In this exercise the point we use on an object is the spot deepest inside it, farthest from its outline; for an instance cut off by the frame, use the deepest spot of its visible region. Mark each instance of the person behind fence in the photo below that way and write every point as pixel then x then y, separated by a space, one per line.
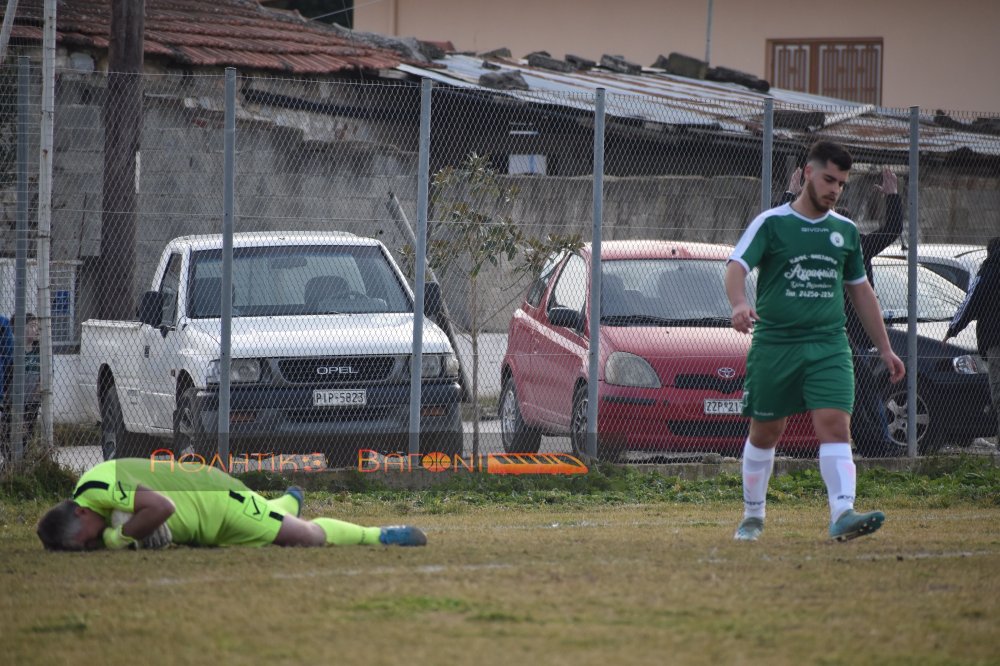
pixel 6 361
pixel 32 381
pixel 800 357
pixel 151 503
pixel 982 303
pixel 868 388
pixel 32 374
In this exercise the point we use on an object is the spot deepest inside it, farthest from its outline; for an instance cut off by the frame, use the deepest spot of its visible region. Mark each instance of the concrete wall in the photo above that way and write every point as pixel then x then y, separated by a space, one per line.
pixel 937 55
pixel 299 169
pixel 709 209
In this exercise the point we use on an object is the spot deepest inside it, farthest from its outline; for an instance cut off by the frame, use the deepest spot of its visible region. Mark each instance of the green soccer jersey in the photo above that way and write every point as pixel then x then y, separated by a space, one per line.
pixel 200 493
pixel 802 267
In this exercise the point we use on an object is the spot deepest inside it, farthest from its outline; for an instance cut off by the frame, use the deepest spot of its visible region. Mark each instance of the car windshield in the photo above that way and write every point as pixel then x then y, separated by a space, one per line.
pixel 297 280
pixel 937 298
pixel 664 291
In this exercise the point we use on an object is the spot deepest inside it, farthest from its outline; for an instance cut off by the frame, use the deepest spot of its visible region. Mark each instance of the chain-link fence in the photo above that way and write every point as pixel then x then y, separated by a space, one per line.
pixel 300 325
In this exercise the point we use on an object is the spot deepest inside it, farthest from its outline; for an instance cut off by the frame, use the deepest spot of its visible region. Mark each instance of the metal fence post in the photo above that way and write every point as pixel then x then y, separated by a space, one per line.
pixel 419 264
pixel 228 190
pixel 767 155
pixel 911 295
pixel 595 274
pixel 43 309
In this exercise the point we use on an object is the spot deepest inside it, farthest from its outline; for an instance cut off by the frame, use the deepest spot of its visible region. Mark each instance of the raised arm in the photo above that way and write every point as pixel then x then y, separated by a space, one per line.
pixel 794 187
pixel 892 225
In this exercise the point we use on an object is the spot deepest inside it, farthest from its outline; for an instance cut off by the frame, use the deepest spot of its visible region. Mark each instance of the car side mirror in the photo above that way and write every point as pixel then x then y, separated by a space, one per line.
pixel 432 299
pixel 568 317
pixel 150 308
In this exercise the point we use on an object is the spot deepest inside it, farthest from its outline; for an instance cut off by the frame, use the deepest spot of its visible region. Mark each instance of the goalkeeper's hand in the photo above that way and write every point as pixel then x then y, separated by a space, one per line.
pixel 160 538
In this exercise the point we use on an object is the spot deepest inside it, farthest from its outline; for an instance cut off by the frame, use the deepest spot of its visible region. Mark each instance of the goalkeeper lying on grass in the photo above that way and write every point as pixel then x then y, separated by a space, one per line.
pixel 143 503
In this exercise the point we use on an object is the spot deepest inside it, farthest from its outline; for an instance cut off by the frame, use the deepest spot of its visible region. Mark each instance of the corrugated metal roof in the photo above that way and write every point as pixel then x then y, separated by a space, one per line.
pixel 724 107
pixel 237 33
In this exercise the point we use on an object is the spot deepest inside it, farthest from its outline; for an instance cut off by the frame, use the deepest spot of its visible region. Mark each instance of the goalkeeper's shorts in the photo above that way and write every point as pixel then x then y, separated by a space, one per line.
pixel 249 521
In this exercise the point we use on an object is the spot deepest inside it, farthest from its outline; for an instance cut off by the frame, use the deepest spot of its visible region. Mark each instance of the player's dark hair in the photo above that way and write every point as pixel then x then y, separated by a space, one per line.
pixel 993 247
pixel 59 526
pixel 828 151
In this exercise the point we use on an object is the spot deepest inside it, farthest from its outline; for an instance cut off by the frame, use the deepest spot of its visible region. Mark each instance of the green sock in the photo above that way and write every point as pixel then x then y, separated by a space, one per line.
pixel 340 533
pixel 286 502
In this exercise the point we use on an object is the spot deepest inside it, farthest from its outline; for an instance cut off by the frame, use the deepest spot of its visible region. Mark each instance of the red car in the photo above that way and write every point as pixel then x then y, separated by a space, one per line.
pixel 670 368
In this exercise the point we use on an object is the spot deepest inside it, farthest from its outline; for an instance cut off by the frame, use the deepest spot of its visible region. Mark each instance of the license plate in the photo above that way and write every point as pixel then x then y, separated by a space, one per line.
pixel 339 398
pixel 723 407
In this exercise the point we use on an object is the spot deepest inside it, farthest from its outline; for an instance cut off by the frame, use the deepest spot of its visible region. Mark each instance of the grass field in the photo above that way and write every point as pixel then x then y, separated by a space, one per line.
pixel 633 569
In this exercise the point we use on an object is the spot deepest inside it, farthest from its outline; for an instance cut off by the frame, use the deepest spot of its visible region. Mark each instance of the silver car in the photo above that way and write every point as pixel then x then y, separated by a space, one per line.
pixel 955 262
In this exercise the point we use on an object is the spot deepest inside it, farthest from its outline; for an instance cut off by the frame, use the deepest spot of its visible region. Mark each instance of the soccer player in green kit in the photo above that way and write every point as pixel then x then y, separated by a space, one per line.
pixel 800 359
pixel 193 504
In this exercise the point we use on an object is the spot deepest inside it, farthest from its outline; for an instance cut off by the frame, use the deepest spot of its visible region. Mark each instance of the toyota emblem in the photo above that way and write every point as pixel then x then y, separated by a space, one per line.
pixel 726 373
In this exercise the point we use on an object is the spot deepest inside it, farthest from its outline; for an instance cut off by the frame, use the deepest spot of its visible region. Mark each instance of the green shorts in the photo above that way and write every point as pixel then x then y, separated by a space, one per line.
pixel 249 520
pixel 789 378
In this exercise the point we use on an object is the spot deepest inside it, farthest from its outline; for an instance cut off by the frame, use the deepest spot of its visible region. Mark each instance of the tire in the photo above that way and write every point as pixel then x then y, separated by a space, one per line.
pixel 517 437
pixel 188 439
pixel 116 442
pixel 928 429
pixel 578 429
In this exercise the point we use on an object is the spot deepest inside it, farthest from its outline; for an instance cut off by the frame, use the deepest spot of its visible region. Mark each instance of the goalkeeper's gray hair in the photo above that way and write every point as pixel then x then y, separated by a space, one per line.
pixel 59 526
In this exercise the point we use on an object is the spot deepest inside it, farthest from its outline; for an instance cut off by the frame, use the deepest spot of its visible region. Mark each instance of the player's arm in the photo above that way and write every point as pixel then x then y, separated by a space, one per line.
pixel 743 315
pixel 151 510
pixel 870 313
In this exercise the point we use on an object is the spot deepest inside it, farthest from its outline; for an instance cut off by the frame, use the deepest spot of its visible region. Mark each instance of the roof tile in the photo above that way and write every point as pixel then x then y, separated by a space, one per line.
pixel 239 33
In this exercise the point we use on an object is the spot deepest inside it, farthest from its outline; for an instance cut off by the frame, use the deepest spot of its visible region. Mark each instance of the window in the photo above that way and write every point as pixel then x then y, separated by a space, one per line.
pixel 571 287
pixel 537 289
pixel 849 69
pixel 169 286
pixel 298 280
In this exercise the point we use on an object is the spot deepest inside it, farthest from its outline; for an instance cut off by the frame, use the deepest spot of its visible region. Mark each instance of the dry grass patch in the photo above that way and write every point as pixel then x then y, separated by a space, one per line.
pixel 626 584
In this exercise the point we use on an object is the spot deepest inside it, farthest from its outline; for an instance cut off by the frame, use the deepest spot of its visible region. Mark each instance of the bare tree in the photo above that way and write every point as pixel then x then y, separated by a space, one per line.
pixel 473 227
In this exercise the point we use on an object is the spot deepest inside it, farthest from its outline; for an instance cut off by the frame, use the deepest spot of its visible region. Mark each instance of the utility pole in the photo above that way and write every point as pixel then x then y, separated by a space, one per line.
pixel 708 35
pixel 122 115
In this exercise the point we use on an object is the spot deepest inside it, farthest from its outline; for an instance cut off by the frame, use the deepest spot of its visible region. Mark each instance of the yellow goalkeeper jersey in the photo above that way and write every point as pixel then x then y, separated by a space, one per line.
pixel 202 494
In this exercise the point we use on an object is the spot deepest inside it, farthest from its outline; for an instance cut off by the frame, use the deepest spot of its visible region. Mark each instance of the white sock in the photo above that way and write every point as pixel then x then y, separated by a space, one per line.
pixel 757 467
pixel 836 466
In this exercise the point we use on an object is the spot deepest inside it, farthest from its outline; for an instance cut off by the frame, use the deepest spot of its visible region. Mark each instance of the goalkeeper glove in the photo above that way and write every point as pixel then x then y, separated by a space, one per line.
pixel 160 538
pixel 114 539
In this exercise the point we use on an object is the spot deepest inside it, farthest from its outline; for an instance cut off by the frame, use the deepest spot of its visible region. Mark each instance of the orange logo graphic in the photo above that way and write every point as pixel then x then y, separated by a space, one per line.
pixel 370 460
pixel 436 461
pixel 534 463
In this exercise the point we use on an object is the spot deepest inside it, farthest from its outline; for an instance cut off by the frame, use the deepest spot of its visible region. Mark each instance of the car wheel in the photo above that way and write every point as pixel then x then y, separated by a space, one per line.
pixel 116 441
pixel 188 440
pixel 578 428
pixel 895 402
pixel 517 437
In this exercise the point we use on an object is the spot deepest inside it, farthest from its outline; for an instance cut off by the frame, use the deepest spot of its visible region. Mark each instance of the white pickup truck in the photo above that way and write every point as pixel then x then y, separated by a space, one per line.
pixel 321 339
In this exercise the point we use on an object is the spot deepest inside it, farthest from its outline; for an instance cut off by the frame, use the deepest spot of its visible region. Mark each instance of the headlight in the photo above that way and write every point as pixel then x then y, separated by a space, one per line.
pixel 438 365
pixel 969 364
pixel 624 369
pixel 450 365
pixel 241 371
